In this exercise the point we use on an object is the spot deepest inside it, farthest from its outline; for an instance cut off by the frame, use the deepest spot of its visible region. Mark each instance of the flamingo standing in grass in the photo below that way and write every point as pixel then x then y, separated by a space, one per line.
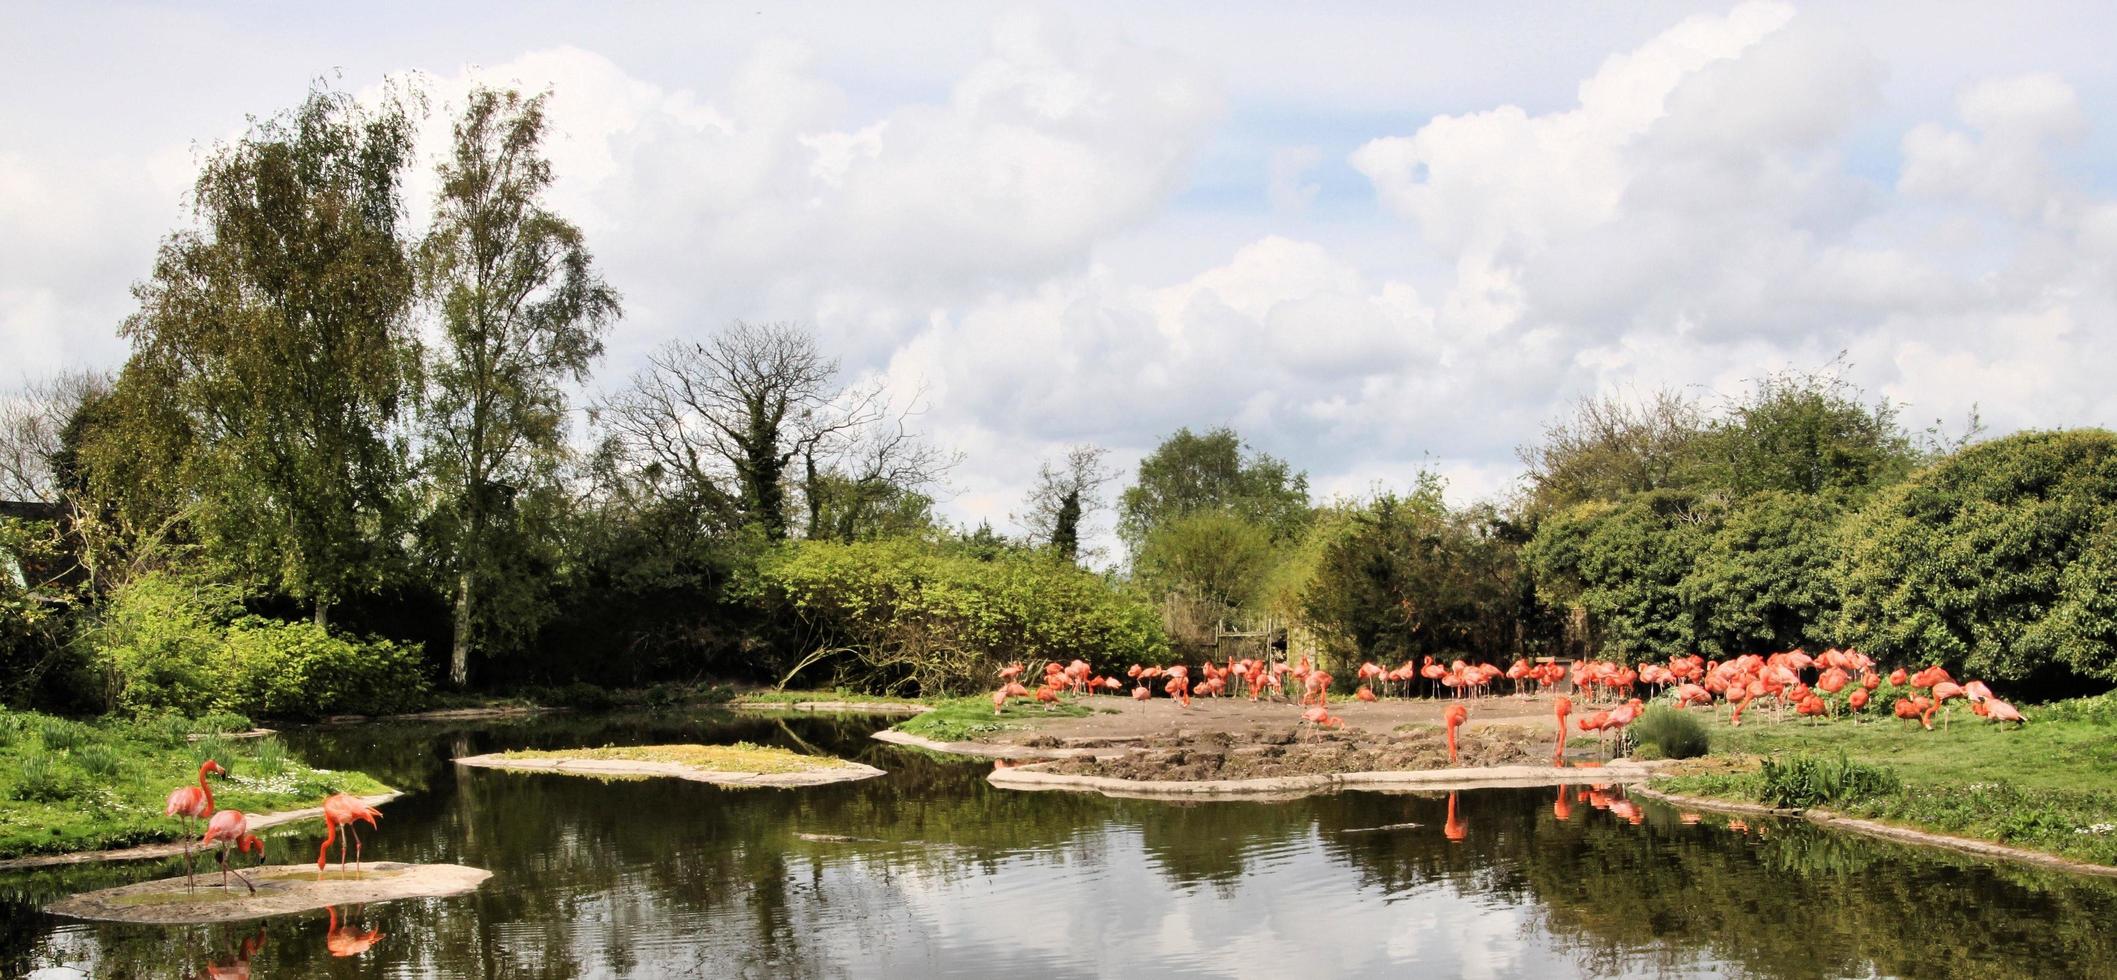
pixel 1454 718
pixel 232 829
pixel 343 810
pixel 193 803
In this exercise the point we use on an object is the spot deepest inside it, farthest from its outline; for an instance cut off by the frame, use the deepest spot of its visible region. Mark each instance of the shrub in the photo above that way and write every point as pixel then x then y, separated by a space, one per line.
pixel 46 779
pixel 99 760
pixel 171 644
pixel 300 670
pixel 1667 733
pixel 1806 780
pixel 1997 561
pixel 945 621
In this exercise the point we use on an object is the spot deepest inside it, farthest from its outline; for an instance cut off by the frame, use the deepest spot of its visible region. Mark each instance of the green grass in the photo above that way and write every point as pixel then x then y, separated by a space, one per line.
pixel 2050 786
pixel 965 719
pixel 71 785
pixel 739 757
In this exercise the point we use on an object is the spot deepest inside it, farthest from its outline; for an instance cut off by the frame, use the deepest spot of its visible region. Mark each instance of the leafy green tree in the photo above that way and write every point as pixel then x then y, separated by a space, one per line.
pixel 1214 556
pixel 1995 561
pixel 278 329
pixel 1610 448
pixel 1191 472
pixel 1806 433
pixel 1410 577
pixel 1620 569
pixel 1768 579
pixel 522 312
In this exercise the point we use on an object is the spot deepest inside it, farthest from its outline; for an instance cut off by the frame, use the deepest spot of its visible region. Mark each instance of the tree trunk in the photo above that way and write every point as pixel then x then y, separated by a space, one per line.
pixel 459 651
pixel 323 614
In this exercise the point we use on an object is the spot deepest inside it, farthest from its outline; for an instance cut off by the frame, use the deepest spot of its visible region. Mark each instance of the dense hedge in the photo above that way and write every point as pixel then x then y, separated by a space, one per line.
pixel 170 643
pixel 2001 559
pixel 944 620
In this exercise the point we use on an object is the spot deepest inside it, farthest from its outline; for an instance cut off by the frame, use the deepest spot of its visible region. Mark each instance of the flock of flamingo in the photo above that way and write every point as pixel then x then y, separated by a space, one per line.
pixel 1796 682
pixel 231 828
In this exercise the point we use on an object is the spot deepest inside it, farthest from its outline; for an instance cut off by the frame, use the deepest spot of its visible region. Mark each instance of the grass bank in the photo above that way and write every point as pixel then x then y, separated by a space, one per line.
pixel 73 786
pixel 2050 786
pixel 766 698
pixel 966 719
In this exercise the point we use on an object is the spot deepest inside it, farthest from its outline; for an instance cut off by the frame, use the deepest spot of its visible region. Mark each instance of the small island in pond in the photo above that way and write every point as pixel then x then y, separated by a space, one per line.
pixel 741 764
pixel 281 890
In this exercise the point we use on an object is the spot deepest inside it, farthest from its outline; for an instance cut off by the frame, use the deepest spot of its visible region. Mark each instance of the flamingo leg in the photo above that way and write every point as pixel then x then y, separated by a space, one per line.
pixel 356 851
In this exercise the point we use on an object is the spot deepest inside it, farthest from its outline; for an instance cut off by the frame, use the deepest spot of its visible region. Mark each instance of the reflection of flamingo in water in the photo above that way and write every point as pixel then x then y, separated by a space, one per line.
pixel 1562 808
pixel 345 940
pixel 238 966
pixel 1454 829
pixel 342 810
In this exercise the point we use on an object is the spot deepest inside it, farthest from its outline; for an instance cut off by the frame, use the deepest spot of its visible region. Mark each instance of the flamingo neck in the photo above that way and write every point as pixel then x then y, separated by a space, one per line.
pixel 206 789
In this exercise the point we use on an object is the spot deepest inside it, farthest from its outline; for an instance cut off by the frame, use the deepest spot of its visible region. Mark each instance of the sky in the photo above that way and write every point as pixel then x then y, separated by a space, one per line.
pixel 1374 238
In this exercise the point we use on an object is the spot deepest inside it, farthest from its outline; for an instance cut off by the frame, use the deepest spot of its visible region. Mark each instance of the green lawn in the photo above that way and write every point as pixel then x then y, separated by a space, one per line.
pixel 2051 785
pixel 70 785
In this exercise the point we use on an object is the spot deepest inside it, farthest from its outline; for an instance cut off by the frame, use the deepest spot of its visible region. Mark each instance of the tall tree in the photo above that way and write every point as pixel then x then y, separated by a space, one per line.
pixel 729 416
pixel 278 328
pixel 1066 494
pixel 522 310
pixel 1191 472
pixel 1611 447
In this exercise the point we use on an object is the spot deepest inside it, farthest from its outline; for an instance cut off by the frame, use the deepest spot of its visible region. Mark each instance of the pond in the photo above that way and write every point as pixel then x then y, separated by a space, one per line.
pixel 928 871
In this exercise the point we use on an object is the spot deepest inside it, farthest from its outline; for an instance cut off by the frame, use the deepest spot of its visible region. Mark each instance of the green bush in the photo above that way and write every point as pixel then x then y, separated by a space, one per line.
pixel 2000 561
pixel 46 778
pixel 1807 780
pixel 1666 733
pixel 944 621
pixel 172 644
pixel 300 670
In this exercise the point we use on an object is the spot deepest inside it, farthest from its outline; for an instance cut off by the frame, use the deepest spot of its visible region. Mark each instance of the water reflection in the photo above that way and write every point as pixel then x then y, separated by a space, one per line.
pixel 929 871
pixel 236 966
pixel 345 941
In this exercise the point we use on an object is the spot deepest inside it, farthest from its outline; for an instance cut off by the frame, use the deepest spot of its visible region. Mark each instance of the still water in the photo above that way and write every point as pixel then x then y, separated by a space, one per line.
pixel 950 877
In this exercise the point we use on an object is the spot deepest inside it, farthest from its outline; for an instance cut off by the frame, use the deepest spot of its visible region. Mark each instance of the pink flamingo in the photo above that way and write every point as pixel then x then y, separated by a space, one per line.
pixel 343 810
pixel 232 829
pixel 1454 717
pixel 193 803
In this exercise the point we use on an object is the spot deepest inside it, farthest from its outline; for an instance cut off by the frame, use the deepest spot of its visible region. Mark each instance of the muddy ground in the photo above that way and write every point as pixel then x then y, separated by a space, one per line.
pixel 1307 750
pixel 1115 719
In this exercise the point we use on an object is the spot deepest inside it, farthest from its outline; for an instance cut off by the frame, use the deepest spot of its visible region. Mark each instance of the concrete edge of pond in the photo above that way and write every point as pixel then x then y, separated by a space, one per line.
pixel 848 707
pixel 1875 828
pixel 1275 788
pixel 258 821
pixel 232 736
pixel 846 771
pixel 282 889
pixel 993 751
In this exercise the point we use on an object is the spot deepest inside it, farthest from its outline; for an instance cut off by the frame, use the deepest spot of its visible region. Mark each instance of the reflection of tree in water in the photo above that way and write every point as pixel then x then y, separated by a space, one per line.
pixel 599 877
pixel 1795 901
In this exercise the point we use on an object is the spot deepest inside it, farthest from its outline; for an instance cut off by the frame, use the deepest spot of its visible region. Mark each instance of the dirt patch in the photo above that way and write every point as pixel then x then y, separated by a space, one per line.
pixel 1114 720
pixel 1266 753
pixel 281 889
pixel 145 852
